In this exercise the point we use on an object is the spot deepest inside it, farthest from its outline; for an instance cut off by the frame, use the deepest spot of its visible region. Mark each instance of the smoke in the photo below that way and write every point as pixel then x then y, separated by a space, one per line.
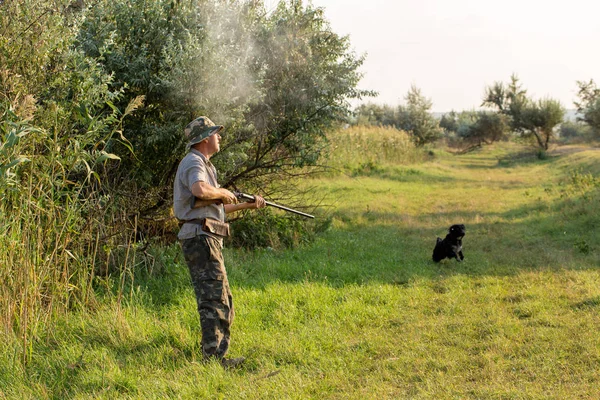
pixel 230 82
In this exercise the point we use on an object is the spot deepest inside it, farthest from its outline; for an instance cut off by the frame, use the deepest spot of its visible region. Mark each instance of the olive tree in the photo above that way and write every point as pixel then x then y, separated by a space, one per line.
pixel 589 104
pixel 472 129
pixel 415 118
pixel 529 118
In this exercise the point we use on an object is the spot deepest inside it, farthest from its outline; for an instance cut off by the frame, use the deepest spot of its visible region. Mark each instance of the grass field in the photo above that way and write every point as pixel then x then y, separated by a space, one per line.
pixel 363 312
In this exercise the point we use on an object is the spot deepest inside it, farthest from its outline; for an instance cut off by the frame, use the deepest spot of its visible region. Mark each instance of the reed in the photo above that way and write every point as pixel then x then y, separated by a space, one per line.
pixel 358 146
pixel 56 224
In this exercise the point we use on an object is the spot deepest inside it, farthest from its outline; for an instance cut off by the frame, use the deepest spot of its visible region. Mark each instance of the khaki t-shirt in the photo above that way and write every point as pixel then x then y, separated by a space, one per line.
pixel 193 168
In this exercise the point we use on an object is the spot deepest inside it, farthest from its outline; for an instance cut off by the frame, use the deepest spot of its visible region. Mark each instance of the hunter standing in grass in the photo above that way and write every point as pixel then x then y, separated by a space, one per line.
pixel 202 231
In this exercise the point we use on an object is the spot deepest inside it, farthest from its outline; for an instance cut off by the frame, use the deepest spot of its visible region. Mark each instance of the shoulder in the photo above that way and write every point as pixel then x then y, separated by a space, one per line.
pixel 193 156
pixel 190 160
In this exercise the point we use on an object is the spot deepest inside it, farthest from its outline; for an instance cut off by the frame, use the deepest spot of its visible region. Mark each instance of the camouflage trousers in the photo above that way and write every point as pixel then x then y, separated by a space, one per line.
pixel 204 258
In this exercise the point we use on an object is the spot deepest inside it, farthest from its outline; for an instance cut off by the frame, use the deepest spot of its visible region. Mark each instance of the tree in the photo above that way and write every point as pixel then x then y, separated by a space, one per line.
pixel 416 119
pixel 450 122
pixel 275 80
pixel 575 130
pixel 540 119
pixel 375 114
pixel 589 104
pixel 527 117
pixel 510 100
pixel 306 74
pixel 474 128
pixel 488 128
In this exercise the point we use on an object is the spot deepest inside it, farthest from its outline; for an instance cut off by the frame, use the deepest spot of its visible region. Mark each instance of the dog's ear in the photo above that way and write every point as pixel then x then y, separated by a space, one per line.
pixel 439 240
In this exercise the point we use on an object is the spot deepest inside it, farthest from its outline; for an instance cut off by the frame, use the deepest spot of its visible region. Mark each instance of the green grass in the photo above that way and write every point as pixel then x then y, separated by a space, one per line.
pixel 362 312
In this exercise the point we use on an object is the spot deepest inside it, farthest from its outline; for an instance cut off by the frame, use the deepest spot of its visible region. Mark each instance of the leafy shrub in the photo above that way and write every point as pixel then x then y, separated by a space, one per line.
pixel 56 129
pixel 268 228
pixel 276 80
pixel 588 105
pixel 580 183
pixel 575 132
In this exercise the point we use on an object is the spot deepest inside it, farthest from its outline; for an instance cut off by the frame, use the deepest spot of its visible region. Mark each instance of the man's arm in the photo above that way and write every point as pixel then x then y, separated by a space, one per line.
pixel 259 202
pixel 205 191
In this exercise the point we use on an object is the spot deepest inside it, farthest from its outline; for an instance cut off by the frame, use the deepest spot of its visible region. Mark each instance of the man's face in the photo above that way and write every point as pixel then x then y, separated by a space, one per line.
pixel 214 143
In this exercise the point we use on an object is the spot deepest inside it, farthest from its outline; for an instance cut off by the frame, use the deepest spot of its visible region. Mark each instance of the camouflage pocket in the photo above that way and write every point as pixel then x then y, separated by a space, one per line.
pixel 213 289
pixel 215 254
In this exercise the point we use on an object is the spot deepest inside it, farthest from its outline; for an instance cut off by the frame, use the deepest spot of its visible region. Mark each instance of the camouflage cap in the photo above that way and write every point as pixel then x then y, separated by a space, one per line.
pixel 199 129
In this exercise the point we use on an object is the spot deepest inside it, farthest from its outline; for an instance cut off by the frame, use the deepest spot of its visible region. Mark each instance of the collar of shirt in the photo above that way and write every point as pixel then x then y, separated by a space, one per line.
pixel 206 161
pixel 198 153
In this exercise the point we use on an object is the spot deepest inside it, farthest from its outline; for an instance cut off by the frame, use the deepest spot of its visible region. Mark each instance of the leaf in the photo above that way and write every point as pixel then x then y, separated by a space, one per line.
pixel 107 156
pixel 114 108
pixel 15 162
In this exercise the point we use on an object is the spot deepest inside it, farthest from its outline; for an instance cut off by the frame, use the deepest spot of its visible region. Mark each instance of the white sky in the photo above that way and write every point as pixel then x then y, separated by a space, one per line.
pixel 453 49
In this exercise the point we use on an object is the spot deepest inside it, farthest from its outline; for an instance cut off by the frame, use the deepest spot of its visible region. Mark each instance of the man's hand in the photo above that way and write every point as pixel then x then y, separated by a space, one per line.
pixel 258 202
pixel 227 197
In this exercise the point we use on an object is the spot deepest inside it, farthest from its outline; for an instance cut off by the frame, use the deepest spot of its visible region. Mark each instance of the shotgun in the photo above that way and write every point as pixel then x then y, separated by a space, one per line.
pixel 243 196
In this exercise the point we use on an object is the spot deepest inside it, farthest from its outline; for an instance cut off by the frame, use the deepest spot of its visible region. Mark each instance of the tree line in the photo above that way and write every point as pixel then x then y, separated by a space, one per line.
pixel 509 111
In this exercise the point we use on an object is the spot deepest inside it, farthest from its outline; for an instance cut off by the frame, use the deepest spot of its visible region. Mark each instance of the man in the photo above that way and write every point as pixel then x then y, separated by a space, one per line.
pixel 200 205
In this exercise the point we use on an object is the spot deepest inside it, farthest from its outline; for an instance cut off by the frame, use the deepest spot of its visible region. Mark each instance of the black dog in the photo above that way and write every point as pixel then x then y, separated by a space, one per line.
pixel 451 246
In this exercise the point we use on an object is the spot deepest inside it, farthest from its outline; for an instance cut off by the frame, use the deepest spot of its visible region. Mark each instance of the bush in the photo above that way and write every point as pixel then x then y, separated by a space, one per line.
pixel 56 127
pixel 268 228
pixel 276 80
pixel 574 132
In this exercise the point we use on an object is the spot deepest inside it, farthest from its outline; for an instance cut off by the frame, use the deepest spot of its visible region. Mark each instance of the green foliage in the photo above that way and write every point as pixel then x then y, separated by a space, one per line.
pixel 414 117
pixel 307 73
pixel 351 149
pixel 42 213
pixel 274 230
pixel 375 114
pixel 575 131
pixel 580 184
pixel 489 127
pixel 474 128
pixel 171 61
pixel 541 118
pixel 509 99
pixel 589 104
pixel 537 119
pixel 275 80
pixel 57 126
pixel 452 121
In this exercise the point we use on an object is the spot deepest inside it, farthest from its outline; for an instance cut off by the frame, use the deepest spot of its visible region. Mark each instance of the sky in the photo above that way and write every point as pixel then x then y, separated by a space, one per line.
pixel 453 49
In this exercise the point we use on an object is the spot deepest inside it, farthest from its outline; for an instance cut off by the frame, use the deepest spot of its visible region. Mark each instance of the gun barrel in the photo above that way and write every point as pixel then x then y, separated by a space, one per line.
pixel 251 198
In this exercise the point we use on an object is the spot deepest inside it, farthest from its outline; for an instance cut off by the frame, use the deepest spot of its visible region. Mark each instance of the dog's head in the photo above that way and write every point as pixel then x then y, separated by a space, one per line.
pixel 457 231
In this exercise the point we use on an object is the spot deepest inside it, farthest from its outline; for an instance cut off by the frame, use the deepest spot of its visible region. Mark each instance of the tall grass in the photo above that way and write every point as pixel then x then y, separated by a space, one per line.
pixel 46 255
pixel 55 220
pixel 359 147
